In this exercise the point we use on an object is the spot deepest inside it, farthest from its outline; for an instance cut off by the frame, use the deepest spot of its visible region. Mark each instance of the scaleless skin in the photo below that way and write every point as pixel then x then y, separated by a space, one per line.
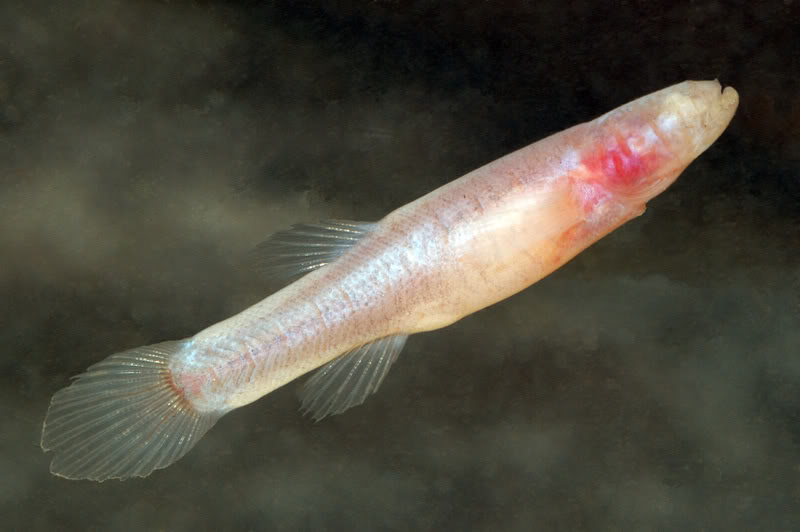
pixel 460 248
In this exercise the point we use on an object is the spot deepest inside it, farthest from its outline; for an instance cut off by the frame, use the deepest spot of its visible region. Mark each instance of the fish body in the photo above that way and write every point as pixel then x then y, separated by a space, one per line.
pixel 456 250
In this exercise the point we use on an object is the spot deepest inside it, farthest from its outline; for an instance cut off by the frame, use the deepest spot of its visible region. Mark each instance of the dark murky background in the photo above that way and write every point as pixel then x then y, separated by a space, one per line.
pixel 653 383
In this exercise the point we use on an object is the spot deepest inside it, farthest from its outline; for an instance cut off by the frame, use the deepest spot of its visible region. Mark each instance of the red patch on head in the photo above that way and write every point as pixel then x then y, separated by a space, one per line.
pixel 616 164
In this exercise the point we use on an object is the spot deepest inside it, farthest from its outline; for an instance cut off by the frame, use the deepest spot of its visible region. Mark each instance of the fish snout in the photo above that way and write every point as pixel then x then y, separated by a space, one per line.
pixel 697 112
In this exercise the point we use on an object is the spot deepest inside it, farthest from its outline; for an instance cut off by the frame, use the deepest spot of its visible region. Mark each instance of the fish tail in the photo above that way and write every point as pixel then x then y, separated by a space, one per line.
pixel 124 417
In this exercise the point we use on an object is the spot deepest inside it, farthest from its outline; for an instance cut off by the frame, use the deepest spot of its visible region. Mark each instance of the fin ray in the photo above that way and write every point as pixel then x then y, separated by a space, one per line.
pixel 122 418
pixel 292 253
pixel 348 380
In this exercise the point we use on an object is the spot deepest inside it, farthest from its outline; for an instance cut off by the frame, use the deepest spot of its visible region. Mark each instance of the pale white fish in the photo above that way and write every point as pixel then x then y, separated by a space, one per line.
pixel 460 248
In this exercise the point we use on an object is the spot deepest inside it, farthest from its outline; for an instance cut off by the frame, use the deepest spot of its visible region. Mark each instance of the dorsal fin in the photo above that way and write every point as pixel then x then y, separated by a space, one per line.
pixel 292 253
pixel 349 379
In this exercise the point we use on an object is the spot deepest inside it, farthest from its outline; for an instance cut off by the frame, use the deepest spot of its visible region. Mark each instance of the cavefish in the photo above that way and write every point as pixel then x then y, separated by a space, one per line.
pixel 360 289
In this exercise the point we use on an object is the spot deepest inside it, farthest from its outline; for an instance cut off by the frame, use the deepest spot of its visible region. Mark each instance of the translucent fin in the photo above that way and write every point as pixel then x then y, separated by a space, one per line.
pixel 122 418
pixel 292 253
pixel 348 380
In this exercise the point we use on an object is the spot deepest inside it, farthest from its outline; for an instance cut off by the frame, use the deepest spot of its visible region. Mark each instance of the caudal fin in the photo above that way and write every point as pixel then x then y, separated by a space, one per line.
pixel 123 418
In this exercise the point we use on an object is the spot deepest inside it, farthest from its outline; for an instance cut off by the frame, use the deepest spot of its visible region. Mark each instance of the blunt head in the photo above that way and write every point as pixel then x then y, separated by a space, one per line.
pixel 693 114
pixel 643 146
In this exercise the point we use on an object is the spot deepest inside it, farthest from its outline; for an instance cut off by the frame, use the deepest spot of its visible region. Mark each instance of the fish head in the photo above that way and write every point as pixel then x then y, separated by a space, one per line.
pixel 638 150
pixel 693 114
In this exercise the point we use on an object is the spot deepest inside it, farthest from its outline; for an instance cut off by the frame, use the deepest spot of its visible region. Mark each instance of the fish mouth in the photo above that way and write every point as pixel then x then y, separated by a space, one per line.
pixel 702 110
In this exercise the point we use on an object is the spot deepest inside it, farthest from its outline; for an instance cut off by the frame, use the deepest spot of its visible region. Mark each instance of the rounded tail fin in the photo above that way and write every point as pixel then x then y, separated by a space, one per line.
pixel 123 417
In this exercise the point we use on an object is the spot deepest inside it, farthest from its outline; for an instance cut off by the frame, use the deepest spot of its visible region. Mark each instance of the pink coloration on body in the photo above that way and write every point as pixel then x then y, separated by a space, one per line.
pixel 621 164
pixel 460 248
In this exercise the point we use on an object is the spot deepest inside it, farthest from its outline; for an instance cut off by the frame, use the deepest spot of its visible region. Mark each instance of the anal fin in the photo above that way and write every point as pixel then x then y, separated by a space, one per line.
pixel 348 380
